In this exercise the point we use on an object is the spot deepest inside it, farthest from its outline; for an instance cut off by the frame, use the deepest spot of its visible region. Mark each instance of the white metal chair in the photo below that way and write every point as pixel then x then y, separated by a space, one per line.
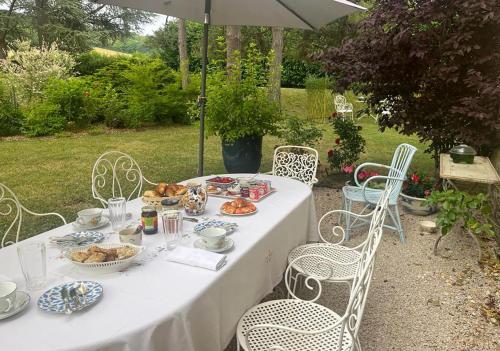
pixel 298 162
pixel 117 167
pixel 299 325
pixel 348 257
pixel 11 207
pixel 363 194
pixel 343 107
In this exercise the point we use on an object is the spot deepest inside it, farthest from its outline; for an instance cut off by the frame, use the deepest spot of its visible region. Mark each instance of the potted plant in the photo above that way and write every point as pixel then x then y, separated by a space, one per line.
pixel 415 192
pixel 240 112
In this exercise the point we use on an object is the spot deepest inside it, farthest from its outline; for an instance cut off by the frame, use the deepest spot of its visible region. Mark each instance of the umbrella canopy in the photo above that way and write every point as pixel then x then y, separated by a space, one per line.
pixel 305 14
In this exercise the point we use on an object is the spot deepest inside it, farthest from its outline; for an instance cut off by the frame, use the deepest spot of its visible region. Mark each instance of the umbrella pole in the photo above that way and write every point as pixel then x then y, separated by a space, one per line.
pixel 202 101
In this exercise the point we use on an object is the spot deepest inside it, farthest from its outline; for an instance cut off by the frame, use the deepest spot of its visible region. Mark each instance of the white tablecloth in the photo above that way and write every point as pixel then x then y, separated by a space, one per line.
pixel 162 305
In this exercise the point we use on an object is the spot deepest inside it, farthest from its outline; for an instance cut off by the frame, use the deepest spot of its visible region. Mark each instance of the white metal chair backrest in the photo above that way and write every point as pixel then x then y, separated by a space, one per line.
pixel 340 100
pixel 298 162
pixel 121 172
pixel 399 166
pixel 11 207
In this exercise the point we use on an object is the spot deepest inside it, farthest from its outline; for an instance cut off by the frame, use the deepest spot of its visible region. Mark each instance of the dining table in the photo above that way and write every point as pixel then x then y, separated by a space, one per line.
pixel 157 304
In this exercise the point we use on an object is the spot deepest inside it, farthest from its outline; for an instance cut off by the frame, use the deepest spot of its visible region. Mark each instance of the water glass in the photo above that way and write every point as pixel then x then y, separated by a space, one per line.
pixel 32 258
pixel 172 227
pixel 117 212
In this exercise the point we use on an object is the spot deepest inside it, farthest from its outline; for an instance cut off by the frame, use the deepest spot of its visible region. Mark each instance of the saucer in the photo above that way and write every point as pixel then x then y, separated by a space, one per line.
pixel 229 243
pixel 22 300
pixel 104 221
pixel 52 301
pixel 229 227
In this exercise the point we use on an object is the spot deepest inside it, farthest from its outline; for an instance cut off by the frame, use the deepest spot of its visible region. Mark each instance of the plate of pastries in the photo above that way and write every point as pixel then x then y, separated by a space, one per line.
pixel 238 207
pixel 104 258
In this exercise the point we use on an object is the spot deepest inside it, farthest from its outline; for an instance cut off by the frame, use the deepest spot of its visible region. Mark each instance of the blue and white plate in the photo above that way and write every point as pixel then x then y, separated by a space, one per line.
pixel 52 301
pixel 229 227
pixel 89 236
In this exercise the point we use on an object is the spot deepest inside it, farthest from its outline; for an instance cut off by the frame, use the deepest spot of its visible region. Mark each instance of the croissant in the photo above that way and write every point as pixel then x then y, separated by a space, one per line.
pixel 161 188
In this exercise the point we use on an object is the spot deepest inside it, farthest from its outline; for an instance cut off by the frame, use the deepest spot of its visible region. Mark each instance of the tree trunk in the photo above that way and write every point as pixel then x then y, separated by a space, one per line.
pixel 3 34
pixel 41 20
pixel 233 42
pixel 183 54
pixel 275 84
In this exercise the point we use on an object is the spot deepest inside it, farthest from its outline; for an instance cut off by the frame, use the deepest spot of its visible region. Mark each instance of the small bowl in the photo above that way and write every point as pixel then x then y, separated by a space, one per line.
pixel 428 227
pixel 170 201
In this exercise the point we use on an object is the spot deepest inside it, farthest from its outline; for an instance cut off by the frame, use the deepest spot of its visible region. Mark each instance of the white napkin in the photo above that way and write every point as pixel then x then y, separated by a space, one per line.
pixel 197 258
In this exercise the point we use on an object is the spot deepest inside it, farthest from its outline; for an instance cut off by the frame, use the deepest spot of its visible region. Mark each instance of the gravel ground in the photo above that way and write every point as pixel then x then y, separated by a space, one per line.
pixel 419 301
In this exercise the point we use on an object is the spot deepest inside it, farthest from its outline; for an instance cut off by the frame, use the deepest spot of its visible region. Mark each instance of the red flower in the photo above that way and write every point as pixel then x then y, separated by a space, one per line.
pixel 348 168
pixel 427 192
pixel 330 153
pixel 362 175
pixel 337 141
pixel 334 114
pixel 415 178
pixel 374 174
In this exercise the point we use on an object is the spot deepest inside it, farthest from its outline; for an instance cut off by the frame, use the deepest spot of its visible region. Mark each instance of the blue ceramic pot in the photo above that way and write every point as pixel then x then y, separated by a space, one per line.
pixel 243 156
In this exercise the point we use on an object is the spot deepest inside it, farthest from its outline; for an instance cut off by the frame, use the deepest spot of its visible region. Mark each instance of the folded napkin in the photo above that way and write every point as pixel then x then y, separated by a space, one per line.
pixel 197 258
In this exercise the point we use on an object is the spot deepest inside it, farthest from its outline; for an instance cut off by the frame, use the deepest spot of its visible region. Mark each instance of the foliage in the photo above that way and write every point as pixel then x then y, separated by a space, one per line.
pixel 297 131
pixel 432 64
pixel 319 99
pixel 237 106
pixel 43 119
pixel 133 44
pixel 73 99
pixel 28 69
pixel 473 210
pixel 11 117
pixel 295 72
pixel 420 185
pixel 348 146
pixel 90 62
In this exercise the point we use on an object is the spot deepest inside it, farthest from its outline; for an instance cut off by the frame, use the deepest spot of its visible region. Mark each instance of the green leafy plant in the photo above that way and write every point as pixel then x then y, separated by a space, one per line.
pixel 348 146
pixel 319 98
pixel 474 211
pixel 43 119
pixel 237 105
pixel 297 131
pixel 90 62
pixel 11 116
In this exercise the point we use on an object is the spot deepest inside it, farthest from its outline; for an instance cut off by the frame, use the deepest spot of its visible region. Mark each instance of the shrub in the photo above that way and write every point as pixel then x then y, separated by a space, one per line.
pixel 11 117
pixel 348 146
pixel 297 131
pixel 28 69
pixel 43 119
pixel 73 97
pixel 319 98
pixel 295 72
pixel 420 185
pixel 90 62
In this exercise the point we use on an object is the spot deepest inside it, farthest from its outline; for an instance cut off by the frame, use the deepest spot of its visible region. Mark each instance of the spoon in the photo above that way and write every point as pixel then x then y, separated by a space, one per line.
pixel 81 290
pixel 65 296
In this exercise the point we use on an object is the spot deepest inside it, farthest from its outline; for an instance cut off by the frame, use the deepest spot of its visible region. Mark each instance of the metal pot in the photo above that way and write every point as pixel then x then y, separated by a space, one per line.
pixel 462 154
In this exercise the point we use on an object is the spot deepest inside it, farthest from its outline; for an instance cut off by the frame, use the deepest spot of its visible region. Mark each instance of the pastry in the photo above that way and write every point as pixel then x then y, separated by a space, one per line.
pixel 79 256
pixel 151 193
pixel 96 257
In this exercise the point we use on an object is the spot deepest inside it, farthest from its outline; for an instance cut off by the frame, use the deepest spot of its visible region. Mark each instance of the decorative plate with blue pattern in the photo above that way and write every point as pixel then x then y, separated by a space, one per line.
pixel 229 227
pixel 52 301
pixel 89 236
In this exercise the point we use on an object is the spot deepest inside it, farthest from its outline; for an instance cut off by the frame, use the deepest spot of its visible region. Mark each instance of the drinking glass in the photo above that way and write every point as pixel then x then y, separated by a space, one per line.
pixel 32 258
pixel 117 212
pixel 172 227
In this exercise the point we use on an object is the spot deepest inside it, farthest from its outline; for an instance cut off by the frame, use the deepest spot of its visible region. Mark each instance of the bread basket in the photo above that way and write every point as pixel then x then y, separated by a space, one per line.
pixel 105 267
pixel 155 201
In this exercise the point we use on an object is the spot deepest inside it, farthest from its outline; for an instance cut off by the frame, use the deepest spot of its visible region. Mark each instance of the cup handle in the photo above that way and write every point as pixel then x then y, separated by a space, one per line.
pixel 10 305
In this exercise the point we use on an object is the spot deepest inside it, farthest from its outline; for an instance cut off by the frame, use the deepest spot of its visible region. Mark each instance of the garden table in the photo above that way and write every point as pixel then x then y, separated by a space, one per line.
pixel 161 305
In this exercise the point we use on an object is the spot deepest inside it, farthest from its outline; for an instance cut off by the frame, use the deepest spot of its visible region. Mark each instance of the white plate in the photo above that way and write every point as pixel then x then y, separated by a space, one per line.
pixel 239 214
pixel 228 244
pixel 104 221
pixel 22 300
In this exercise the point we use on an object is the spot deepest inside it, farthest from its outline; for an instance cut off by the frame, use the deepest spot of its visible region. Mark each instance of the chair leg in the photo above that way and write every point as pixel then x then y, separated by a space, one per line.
pixel 357 344
pixel 399 225
pixel 348 207
pixel 237 345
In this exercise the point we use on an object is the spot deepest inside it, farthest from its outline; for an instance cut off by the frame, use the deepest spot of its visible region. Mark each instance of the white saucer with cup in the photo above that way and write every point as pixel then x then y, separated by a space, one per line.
pixel 213 237
pixel 7 296
pixel 89 217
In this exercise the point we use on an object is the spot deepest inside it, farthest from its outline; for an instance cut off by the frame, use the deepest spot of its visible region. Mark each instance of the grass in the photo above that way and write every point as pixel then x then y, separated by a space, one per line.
pixel 108 52
pixel 54 174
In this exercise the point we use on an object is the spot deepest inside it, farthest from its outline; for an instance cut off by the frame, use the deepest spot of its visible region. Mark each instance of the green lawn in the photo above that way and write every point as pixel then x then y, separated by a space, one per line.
pixel 54 174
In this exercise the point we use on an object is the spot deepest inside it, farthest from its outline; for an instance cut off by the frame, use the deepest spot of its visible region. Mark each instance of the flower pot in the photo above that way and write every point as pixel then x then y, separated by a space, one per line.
pixel 416 206
pixel 243 156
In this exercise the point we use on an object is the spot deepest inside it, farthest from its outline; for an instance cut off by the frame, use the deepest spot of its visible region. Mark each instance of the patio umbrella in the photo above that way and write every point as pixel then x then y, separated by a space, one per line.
pixel 304 14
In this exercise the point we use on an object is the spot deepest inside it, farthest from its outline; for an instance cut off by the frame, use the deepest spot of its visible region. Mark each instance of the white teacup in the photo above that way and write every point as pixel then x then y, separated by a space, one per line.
pixel 128 236
pixel 213 237
pixel 90 216
pixel 7 296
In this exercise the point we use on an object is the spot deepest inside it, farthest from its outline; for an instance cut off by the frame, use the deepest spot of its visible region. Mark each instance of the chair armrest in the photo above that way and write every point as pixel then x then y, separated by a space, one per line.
pixel 367 164
pixel 374 178
pixel 338 227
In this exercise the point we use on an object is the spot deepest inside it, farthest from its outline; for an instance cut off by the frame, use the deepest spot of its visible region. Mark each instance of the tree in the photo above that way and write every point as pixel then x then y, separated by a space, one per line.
pixel 183 53
pixel 433 64
pixel 233 43
pixel 275 76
